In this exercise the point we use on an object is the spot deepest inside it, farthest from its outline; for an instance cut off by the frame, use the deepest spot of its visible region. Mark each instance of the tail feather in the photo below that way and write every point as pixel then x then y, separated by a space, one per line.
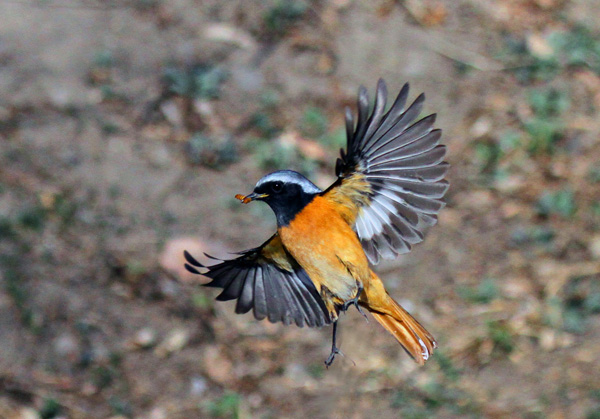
pixel 413 337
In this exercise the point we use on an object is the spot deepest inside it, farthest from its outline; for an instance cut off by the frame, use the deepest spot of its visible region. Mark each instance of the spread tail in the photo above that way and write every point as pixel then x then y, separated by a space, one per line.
pixel 413 337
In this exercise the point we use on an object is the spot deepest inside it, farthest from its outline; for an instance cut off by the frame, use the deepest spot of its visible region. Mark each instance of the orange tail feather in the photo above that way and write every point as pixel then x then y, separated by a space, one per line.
pixel 413 337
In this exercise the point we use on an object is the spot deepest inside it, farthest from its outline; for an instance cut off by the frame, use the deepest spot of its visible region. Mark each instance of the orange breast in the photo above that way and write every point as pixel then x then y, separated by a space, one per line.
pixel 327 248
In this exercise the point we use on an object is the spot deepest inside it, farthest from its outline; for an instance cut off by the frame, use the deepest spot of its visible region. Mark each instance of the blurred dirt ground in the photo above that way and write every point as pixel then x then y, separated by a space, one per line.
pixel 126 127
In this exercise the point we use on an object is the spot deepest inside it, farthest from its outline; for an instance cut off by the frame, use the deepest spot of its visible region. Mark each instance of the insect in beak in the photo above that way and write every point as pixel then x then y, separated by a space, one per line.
pixel 253 196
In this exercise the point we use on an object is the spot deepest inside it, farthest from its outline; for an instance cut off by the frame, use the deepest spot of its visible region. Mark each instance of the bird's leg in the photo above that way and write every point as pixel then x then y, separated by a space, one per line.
pixel 354 301
pixel 334 349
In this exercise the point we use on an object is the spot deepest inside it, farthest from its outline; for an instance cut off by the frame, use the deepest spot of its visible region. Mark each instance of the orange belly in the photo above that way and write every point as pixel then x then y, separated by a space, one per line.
pixel 327 248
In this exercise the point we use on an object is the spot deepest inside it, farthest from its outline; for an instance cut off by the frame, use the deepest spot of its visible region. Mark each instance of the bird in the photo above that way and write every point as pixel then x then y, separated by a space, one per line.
pixel 389 189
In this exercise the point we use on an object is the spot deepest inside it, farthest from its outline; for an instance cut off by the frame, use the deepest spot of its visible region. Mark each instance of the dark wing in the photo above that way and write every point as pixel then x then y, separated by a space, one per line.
pixel 390 179
pixel 268 281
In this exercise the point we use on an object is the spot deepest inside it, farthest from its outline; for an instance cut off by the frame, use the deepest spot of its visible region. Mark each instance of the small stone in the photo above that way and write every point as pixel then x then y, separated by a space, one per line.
pixel 548 340
pixel 28 413
pixel 517 287
pixel 539 46
pixel 509 184
pixel 198 386
pixel 158 413
pixel 66 345
pixel 481 127
pixel 174 342
pixel 145 338
pixel 172 113
pixel 222 32
pixel 88 389
pixel 594 246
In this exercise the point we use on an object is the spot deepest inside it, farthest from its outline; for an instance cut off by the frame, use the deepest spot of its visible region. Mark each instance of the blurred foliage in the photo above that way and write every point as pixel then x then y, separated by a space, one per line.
pixel 50 409
pixel 226 406
pixel 571 309
pixel 120 407
pixel 265 125
pixel 501 336
pixel 314 123
pixel 32 217
pixel 559 202
pixel 539 235
pixel 200 81
pixel 578 47
pixel 485 292
pixel 490 152
pixel 546 126
pixel 581 299
pixel 204 150
pixel 594 174
pixel 104 58
pixel 15 288
pixel 281 17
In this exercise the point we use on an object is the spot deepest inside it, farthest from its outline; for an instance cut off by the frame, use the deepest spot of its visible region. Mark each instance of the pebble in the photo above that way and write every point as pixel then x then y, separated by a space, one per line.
pixel 198 386
pixel 28 413
pixel 145 338
pixel 594 246
pixel 66 345
pixel 174 342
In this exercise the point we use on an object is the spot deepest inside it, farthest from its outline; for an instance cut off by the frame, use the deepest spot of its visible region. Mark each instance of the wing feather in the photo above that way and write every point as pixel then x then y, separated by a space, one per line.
pixel 268 281
pixel 391 176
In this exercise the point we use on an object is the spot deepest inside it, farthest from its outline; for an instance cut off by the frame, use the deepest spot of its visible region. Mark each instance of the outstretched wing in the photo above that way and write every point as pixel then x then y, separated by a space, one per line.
pixel 390 179
pixel 268 281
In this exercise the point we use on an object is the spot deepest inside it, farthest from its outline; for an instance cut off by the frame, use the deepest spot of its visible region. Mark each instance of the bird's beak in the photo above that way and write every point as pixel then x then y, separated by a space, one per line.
pixel 253 196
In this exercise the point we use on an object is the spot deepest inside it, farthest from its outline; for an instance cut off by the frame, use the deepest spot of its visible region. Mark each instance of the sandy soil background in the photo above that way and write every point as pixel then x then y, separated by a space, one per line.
pixel 126 127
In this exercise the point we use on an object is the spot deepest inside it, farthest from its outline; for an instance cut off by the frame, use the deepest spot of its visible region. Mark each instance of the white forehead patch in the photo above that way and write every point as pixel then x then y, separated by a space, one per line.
pixel 289 176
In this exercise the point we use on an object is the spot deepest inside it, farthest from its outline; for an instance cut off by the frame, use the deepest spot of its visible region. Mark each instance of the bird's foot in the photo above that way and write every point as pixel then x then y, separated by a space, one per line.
pixel 354 302
pixel 334 351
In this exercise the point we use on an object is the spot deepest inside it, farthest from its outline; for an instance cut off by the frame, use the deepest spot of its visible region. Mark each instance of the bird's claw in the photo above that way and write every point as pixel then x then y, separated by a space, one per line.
pixel 354 302
pixel 334 351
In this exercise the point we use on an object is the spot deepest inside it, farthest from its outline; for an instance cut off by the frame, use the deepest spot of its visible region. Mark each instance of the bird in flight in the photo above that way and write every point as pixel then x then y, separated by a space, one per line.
pixel 389 189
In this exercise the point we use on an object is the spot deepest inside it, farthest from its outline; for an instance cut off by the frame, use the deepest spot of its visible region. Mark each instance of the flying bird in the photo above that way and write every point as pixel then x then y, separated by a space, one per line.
pixel 389 189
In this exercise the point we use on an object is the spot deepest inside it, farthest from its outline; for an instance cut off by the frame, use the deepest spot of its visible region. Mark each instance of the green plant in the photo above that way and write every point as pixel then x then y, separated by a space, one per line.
pixel 576 47
pixel 197 82
pixel 501 336
pixel 314 123
pixel 104 59
pixel 50 409
pixel 272 155
pixel 335 139
pixel 485 292
pixel 527 67
pixel 446 366
pixel 532 235
pixel 280 17
pixel 204 150
pixel 33 217
pixel 7 230
pixel 594 174
pixel 580 299
pixel 226 406
pixel 560 202
pixel 265 125
pixel 546 126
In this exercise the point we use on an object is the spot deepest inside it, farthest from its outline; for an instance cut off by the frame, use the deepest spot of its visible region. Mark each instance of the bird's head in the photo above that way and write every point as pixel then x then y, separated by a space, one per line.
pixel 285 191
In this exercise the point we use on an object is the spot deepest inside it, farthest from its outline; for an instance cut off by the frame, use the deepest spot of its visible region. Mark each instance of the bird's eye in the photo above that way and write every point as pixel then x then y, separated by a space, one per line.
pixel 277 187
